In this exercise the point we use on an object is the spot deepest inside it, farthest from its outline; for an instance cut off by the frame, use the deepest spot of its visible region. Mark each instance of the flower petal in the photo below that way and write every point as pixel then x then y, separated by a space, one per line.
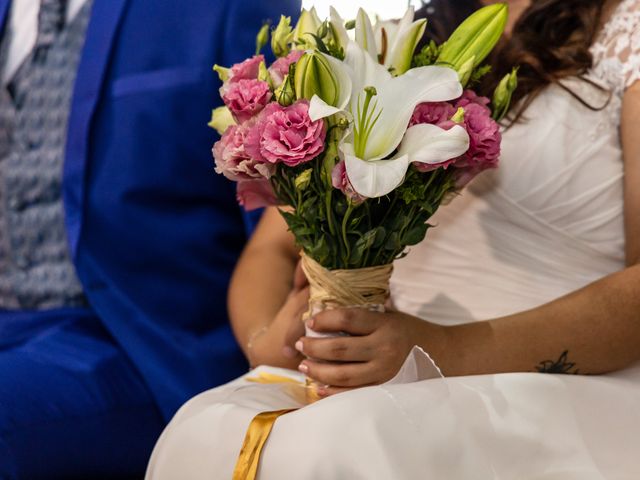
pixel 364 34
pixel 318 109
pixel 365 71
pixel 401 52
pixel 344 76
pixel 374 179
pixel 426 143
pixel 398 98
pixel 339 30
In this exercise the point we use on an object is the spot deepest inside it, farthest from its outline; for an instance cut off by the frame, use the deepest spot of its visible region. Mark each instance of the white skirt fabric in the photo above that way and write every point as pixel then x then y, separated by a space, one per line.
pixel 506 426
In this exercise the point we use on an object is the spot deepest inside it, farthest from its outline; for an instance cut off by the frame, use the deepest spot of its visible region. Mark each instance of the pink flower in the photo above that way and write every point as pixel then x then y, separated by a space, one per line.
pixel 340 180
pixel 246 98
pixel 280 68
pixel 287 135
pixel 469 97
pixel 254 194
pixel 434 113
pixel 232 159
pixel 247 70
pixel 484 138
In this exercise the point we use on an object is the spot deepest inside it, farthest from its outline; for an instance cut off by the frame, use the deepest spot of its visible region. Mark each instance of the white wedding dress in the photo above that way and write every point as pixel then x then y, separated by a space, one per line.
pixel 547 222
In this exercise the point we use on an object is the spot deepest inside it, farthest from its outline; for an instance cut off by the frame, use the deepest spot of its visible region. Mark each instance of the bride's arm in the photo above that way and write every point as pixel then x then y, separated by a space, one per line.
pixel 264 306
pixel 593 330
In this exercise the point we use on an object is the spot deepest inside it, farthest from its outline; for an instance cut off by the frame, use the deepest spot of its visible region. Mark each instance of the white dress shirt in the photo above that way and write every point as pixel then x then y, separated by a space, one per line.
pixel 24 31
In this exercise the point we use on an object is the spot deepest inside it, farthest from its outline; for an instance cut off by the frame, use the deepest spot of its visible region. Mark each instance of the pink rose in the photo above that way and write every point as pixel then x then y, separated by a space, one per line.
pixel 434 113
pixel 247 70
pixel 340 180
pixel 287 135
pixel 254 194
pixel 246 98
pixel 232 159
pixel 280 68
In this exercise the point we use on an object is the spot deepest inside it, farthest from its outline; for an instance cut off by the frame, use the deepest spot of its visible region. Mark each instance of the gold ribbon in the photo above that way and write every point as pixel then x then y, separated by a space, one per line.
pixel 254 440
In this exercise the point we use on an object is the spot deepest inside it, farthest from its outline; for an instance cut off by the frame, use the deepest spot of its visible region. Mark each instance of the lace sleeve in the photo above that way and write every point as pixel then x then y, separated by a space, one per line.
pixel 619 45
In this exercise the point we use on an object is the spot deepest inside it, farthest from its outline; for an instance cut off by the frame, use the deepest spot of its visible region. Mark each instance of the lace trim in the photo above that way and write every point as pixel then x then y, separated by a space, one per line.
pixel 616 53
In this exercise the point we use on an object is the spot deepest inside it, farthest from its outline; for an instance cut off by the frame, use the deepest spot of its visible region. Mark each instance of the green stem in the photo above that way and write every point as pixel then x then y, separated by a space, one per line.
pixel 345 239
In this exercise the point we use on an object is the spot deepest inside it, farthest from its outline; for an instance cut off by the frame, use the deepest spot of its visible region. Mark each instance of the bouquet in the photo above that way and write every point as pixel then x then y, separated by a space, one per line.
pixel 359 138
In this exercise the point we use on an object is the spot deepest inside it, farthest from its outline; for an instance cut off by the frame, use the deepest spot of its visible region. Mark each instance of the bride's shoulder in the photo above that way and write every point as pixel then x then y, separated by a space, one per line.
pixel 616 52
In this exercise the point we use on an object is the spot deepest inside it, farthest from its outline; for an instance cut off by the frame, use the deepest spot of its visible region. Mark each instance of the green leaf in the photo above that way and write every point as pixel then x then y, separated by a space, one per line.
pixel 415 235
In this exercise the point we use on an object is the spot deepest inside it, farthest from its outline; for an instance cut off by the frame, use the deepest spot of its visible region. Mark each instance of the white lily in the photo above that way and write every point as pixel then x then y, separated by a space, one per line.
pixel 396 41
pixel 338 28
pixel 381 107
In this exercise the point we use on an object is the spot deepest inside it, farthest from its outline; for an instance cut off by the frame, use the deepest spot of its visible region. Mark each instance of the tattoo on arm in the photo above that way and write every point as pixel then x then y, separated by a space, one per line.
pixel 562 365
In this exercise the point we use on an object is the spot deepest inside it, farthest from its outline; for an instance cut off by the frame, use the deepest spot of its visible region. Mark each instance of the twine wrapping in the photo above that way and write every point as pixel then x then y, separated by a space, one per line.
pixel 362 287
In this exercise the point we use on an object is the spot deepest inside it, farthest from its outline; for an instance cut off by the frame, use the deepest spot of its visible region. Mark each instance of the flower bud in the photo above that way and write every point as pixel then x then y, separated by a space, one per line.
pixel 307 26
pixel 221 119
pixel 475 37
pixel 285 94
pixel 458 117
pixel 262 38
pixel 314 76
pixel 222 72
pixel 282 37
pixel 303 180
pixel 503 93
pixel 264 75
pixel 466 70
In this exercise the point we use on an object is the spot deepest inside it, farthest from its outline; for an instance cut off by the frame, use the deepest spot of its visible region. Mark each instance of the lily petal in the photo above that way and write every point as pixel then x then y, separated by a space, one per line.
pixel 398 98
pixel 339 30
pixel 431 144
pixel 318 109
pixel 374 179
pixel 402 50
pixel 364 34
pixel 365 71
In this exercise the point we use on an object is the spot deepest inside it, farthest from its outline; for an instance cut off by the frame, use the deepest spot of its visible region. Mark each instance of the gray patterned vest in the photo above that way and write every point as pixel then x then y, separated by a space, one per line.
pixel 36 271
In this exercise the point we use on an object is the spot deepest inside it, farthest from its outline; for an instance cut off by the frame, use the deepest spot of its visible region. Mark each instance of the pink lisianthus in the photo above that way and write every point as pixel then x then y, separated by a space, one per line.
pixel 246 98
pixel 280 68
pixel 232 159
pixel 254 194
pixel 286 135
pixel 434 113
pixel 484 138
pixel 340 180
pixel 247 70
pixel 469 97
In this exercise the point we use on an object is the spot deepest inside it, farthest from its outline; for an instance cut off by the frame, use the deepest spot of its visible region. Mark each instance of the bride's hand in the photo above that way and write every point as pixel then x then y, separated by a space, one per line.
pixel 273 344
pixel 373 354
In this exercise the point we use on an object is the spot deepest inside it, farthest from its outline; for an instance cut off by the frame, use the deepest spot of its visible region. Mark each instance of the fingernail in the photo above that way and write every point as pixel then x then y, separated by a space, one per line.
pixel 299 346
pixel 289 352
pixel 322 391
pixel 303 368
pixel 311 322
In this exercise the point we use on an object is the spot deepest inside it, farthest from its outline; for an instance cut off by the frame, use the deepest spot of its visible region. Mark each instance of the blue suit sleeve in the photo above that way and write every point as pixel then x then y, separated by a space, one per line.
pixel 244 20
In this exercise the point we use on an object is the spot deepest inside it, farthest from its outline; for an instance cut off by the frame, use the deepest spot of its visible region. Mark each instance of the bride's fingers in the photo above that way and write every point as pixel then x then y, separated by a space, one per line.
pixel 337 349
pixel 355 321
pixel 340 375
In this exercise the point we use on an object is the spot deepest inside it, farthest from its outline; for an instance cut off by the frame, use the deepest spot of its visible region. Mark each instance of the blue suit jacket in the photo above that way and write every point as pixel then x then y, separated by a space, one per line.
pixel 153 231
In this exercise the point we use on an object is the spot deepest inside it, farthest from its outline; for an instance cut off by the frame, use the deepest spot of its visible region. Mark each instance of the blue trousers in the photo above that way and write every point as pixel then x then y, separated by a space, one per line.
pixel 71 403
